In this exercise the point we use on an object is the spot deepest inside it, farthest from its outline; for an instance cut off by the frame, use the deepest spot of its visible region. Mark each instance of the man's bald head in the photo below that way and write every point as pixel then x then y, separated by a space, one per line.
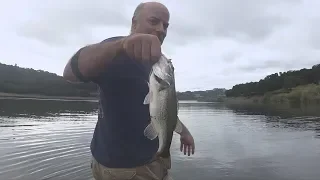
pixel 151 18
pixel 147 5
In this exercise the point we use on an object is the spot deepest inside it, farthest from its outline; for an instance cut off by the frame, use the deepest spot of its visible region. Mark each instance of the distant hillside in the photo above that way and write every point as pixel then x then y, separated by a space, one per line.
pixel 215 94
pixel 14 79
pixel 280 82
pixel 299 89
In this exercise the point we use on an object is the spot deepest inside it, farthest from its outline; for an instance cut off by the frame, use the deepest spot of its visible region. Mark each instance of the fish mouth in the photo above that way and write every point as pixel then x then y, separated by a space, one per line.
pixel 162 73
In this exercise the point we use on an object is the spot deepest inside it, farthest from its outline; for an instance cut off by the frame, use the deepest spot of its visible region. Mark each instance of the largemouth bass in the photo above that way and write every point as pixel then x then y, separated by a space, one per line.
pixel 163 106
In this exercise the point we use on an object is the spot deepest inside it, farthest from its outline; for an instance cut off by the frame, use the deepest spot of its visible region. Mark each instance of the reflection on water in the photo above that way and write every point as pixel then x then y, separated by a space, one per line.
pixel 50 140
pixel 276 110
pixel 45 139
pixel 39 108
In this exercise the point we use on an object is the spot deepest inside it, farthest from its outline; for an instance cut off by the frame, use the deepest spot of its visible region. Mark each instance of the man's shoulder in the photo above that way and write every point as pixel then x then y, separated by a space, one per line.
pixel 113 38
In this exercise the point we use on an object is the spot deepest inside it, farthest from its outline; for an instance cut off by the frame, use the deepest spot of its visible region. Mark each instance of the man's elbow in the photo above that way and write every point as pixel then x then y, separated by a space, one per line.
pixel 68 75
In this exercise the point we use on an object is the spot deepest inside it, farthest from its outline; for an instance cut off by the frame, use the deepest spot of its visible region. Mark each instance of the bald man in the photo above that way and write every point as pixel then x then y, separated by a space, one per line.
pixel 120 67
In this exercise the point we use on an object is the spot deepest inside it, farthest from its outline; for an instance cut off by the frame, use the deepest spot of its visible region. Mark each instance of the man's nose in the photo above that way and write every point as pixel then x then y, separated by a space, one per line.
pixel 160 28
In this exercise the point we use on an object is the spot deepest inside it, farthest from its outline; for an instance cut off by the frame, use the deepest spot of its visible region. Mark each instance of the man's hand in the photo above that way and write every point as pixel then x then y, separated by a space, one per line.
pixel 187 143
pixel 145 47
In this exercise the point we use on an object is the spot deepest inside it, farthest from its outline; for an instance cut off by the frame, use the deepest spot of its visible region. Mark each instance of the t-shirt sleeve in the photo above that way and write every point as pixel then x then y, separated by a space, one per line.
pixel 98 79
pixel 123 68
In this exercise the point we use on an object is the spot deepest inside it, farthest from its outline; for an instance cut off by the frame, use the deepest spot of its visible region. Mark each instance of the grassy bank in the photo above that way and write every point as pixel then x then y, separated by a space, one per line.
pixel 307 96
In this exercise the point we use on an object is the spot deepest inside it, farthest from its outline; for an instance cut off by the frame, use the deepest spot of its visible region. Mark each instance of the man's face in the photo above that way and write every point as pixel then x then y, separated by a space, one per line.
pixel 153 19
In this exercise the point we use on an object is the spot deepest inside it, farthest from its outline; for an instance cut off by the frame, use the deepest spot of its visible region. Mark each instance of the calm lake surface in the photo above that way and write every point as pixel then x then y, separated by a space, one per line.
pixel 49 139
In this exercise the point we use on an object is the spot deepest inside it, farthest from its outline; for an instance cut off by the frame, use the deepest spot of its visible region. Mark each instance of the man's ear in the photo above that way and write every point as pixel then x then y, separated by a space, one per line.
pixel 133 23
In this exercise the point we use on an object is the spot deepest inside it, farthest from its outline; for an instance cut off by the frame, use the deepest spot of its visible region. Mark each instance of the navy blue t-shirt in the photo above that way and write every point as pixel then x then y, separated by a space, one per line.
pixel 118 140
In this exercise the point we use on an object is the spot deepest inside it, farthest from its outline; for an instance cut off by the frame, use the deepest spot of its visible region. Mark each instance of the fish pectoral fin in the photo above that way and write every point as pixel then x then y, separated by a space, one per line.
pixel 150 132
pixel 178 128
pixel 147 99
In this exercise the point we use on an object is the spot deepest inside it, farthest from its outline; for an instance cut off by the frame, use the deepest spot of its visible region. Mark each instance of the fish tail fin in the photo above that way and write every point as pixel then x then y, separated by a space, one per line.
pixel 166 151
pixel 165 157
pixel 156 156
pixel 165 154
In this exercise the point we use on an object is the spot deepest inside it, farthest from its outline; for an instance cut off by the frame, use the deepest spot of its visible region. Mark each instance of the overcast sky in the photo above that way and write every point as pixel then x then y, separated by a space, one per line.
pixel 213 44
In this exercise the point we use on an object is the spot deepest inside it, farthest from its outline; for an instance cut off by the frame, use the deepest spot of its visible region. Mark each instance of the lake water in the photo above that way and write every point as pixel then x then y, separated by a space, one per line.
pixel 48 139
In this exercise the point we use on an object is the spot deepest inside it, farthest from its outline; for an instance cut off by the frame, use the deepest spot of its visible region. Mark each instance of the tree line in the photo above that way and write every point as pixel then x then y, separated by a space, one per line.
pixel 14 79
pixel 215 94
pixel 278 81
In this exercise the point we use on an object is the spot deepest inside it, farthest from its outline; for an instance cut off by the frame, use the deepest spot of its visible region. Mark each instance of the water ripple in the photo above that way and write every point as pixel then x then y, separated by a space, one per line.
pixel 45 151
pixel 229 145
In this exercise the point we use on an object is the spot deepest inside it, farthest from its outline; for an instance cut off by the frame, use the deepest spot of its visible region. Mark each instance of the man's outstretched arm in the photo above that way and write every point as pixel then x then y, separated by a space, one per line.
pixel 88 62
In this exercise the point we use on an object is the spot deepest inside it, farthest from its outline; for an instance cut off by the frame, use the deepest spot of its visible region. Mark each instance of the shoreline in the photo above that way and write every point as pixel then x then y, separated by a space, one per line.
pixel 300 96
pixel 14 96
pixel 44 97
pixel 303 100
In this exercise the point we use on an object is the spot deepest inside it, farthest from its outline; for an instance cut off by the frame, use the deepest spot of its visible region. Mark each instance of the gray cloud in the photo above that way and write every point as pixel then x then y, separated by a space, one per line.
pixel 244 21
pixel 62 19
pixel 314 37
pixel 216 43
pixel 280 64
pixel 230 57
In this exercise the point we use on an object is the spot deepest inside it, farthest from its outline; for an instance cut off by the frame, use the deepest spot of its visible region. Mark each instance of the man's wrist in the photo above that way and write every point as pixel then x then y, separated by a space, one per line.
pixel 184 131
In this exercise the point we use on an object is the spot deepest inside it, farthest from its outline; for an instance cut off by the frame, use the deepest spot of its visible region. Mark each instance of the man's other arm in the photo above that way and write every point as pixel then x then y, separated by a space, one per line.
pixel 186 139
pixel 88 62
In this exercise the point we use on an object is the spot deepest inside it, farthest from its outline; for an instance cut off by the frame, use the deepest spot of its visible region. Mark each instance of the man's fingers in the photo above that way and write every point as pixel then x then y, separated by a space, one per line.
pixel 143 47
pixel 138 50
pixel 146 51
pixel 155 50
pixel 189 150
pixel 129 49
pixel 193 148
